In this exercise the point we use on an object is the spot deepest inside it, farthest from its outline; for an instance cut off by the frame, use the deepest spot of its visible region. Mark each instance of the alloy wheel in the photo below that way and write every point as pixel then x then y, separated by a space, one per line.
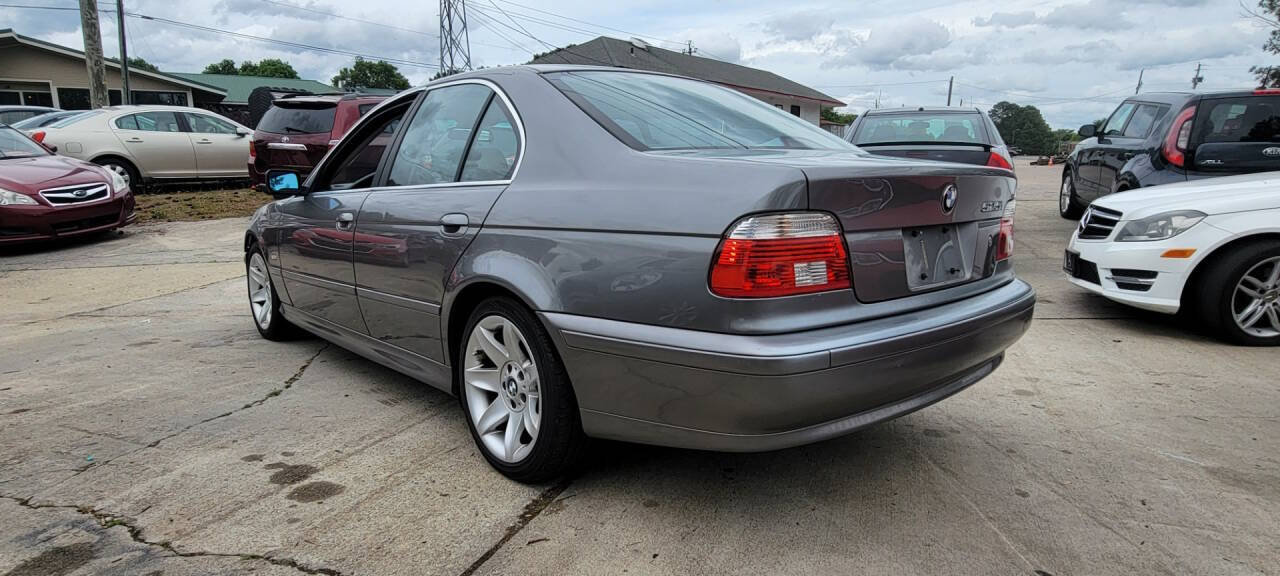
pixel 1255 304
pixel 120 171
pixel 260 291
pixel 1064 196
pixel 504 394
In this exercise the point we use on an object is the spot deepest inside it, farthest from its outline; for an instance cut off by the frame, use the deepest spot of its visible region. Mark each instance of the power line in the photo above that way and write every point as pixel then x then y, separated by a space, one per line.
pixel 179 23
pixel 550 46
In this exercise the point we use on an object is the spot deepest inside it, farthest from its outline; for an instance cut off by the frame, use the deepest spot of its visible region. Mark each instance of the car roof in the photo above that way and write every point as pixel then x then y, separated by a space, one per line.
pixel 18 107
pixel 925 109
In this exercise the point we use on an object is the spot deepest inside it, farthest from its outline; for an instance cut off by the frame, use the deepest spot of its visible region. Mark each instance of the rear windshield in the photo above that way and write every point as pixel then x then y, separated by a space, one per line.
pixel 1247 119
pixel 922 128
pixel 653 112
pixel 313 119
pixel 63 123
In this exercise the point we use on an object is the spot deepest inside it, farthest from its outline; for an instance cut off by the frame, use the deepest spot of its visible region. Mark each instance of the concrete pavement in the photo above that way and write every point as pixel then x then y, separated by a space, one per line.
pixel 146 429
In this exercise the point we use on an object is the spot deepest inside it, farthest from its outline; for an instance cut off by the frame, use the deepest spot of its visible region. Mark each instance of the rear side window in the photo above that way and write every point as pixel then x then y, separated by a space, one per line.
pixel 922 127
pixel 1142 120
pixel 1248 119
pixel 298 119
pixel 437 136
pixel 150 122
pixel 495 147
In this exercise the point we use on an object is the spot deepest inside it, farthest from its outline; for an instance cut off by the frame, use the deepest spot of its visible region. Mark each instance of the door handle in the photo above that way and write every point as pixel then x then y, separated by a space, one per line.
pixel 454 223
pixel 205 141
pixel 134 140
pixel 344 222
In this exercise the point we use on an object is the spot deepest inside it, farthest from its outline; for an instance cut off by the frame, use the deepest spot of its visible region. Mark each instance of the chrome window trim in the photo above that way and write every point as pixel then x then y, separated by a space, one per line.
pixel 511 109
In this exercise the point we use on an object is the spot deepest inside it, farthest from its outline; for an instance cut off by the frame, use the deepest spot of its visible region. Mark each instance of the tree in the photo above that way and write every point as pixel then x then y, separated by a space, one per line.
pixel 269 67
pixel 830 115
pixel 226 66
pixel 141 64
pixel 1268 13
pixel 368 74
pixel 1024 128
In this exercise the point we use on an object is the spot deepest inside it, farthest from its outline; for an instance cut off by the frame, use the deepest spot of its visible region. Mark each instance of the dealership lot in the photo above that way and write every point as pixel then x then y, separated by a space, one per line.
pixel 146 428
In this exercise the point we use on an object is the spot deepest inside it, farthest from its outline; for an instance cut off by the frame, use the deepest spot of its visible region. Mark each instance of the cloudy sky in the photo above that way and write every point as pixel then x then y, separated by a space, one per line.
pixel 1074 59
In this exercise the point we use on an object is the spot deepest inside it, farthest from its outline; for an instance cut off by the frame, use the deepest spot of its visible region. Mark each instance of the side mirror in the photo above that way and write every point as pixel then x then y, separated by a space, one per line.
pixel 50 147
pixel 1088 131
pixel 241 132
pixel 283 183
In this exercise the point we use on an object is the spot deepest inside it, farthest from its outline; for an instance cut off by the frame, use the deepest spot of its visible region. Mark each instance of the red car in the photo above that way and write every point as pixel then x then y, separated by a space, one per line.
pixel 298 130
pixel 44 196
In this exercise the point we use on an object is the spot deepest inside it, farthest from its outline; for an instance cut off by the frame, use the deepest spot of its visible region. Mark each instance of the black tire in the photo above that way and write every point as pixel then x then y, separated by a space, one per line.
pixel 1072 210
pixel 276 327
pixel 134 177
pixel 561 444
pixel 1215 295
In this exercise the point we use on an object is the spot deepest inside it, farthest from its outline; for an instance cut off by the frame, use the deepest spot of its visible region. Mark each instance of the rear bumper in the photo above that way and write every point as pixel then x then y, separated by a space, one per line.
pixel 690 389
pixel 20 224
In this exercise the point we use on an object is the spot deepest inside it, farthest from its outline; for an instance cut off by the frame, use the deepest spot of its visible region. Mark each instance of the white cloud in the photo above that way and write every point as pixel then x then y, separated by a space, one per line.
pixel 890 46
pixel 1007 19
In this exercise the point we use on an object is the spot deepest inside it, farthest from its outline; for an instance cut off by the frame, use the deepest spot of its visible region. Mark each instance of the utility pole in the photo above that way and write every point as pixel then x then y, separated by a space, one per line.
pixel 126 96
pixel 1197 79
pixel 1139 88
pixel 93 54
pixel 691 50
pixel 455 44
pixel 950 83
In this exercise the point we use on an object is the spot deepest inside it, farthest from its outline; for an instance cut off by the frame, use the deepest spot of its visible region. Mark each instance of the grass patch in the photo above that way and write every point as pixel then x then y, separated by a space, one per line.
pixel 199 205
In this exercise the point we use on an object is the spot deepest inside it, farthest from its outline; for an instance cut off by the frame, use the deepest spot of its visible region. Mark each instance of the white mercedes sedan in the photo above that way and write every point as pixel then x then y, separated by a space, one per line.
pixel 1211 247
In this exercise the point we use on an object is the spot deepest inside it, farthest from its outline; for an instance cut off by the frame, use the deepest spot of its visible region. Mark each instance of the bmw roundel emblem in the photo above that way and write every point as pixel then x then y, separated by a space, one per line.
pixel 949 198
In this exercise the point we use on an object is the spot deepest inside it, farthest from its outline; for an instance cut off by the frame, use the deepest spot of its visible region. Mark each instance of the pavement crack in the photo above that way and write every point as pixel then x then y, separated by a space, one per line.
pixel 531 511
pixel 288 383
pixel 107 520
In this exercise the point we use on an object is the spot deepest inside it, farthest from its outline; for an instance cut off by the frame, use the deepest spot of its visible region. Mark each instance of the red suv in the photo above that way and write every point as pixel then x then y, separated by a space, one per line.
pixel 297 131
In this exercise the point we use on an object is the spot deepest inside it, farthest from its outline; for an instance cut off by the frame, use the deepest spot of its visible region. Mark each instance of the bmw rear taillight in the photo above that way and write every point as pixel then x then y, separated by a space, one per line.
pixel 1004 242
pixel 1179 137
pixel 781 255
pixel 999 161
pixel 38 136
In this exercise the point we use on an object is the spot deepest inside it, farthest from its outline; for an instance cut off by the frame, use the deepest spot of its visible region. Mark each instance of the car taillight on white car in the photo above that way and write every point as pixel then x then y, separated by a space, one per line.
pixel 773 255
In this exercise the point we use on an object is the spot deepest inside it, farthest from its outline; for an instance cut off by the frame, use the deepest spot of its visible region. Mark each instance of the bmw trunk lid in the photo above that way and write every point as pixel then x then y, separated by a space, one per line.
pixel 913 227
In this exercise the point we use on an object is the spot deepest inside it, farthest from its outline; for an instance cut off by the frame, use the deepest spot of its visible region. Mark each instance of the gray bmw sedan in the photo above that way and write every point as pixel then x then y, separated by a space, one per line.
pixel 580 252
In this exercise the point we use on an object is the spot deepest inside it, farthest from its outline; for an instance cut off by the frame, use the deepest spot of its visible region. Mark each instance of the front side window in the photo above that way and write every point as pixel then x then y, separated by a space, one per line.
pixel 158 121
pixel 654 112
pixel 358 165
pixel 14 144
pixel 436 138
pixel 203 124
pixel 1115 124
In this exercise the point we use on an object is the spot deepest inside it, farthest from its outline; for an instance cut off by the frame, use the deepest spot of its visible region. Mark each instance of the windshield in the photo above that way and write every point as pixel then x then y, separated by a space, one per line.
pixel 653 112
pixel 63 123
pixel 298 120
pixel 921 128
pixel 14 144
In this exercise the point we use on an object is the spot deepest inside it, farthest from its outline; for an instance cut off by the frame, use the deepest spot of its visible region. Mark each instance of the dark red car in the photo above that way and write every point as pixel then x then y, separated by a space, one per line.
pixel 297 131
pixel 44 196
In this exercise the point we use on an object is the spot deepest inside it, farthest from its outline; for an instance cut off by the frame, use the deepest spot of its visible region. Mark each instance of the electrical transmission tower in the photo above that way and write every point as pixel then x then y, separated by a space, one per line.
pixel 455 45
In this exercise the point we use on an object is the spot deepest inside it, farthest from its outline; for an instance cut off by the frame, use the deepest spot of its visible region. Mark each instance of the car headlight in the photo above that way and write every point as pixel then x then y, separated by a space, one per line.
pixel 1160 226
pixel 117 182
pixel 8 198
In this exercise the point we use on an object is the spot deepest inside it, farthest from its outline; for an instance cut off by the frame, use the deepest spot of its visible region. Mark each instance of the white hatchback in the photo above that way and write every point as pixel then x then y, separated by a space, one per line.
pixel 1212 246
